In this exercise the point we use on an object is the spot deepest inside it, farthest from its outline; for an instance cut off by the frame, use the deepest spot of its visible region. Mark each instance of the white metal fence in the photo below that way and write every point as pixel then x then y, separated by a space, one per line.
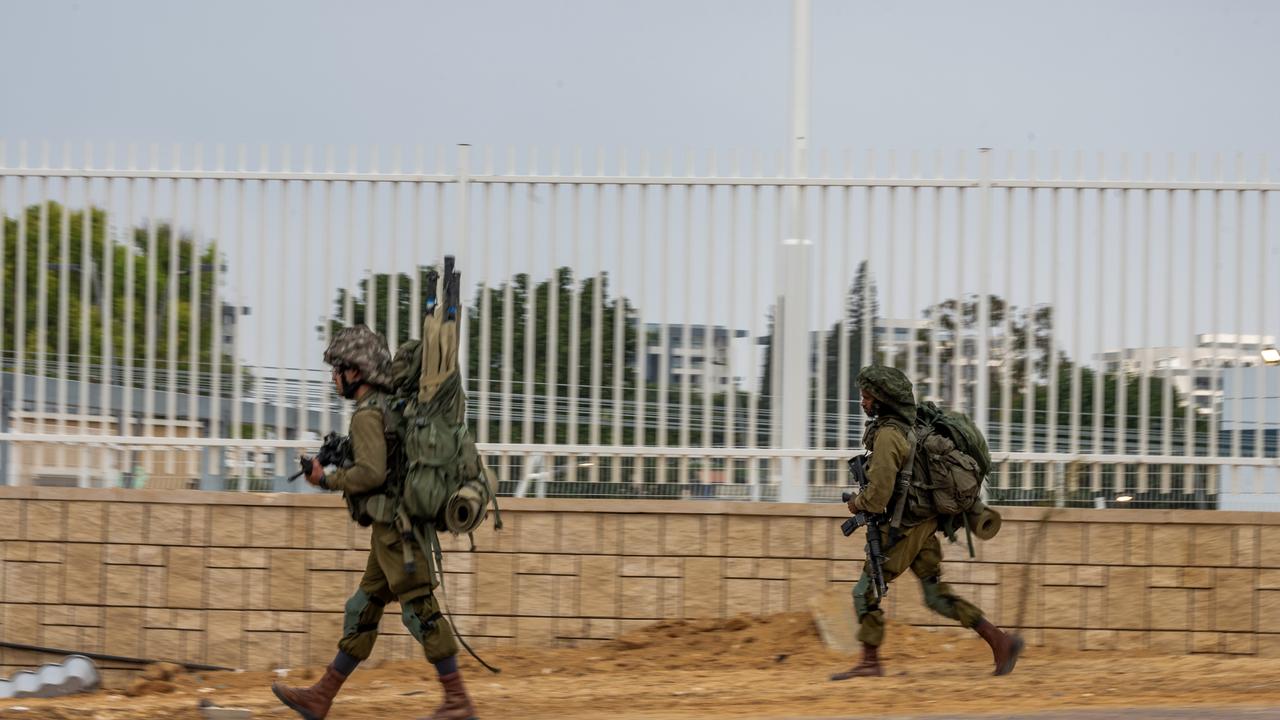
pixel 1106 323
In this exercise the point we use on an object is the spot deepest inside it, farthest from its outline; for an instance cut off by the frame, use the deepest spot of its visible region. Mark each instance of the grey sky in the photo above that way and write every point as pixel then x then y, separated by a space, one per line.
pixel 658 75
pixel 1107 75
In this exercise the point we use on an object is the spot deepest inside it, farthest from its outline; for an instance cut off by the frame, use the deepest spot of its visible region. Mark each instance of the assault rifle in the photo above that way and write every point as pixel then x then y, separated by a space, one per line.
pixel 336 450
pixel 875 554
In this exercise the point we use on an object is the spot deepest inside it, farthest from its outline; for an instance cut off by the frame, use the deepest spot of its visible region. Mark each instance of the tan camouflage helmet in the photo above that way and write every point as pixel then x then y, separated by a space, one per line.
pixel 890 386
pixel 361 348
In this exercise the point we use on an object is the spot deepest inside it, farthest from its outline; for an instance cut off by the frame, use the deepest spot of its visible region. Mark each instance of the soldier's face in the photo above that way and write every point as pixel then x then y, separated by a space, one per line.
pixel 344 379
pixel 868 404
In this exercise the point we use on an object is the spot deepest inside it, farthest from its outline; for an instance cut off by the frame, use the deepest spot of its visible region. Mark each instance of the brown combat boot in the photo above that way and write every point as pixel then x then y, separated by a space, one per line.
pixel 869 666
pixel 312 703
pixel 456 705
pixel 1005 648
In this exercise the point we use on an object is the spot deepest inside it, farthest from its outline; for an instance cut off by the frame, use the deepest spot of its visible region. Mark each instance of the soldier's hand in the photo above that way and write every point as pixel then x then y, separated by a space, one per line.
pixel 316 474
pixel 853 508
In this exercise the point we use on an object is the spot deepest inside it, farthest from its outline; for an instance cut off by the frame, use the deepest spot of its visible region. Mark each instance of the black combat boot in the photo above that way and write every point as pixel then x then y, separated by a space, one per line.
pixel 868 667
pixel 1005 648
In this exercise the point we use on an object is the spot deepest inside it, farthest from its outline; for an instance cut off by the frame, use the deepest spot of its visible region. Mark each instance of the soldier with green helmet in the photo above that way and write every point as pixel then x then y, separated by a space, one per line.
pixel 887 398
pixel 360 363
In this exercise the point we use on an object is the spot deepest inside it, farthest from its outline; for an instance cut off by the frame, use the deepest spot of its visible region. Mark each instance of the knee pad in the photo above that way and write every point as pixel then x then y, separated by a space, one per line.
pixel 356 606
pixel 411 614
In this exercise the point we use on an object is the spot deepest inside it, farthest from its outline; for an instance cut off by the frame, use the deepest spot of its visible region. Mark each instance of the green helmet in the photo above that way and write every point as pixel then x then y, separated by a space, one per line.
pixel 891 387
pixel 361 348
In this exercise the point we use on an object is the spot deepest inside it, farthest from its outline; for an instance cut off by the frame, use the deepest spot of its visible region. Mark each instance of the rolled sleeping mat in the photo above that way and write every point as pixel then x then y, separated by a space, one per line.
pixel 465 509
pixel 984 522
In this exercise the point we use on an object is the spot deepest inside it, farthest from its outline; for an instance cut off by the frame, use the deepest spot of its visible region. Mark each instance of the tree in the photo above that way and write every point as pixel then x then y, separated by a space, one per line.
pixel 128 327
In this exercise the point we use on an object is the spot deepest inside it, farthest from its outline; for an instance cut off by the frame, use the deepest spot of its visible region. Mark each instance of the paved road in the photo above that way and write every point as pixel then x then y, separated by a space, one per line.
pixel 1102 714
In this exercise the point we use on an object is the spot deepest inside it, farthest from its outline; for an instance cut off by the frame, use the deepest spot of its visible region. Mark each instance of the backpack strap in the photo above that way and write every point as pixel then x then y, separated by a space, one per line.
pixel 430 544
pixel 902 484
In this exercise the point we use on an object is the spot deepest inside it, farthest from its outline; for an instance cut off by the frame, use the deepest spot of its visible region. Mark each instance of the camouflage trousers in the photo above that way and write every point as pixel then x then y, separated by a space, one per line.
pixel 920 551
pixel 385 580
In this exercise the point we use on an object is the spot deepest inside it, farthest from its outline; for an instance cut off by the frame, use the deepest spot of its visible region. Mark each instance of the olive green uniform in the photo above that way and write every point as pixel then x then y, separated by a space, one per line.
pixel 385 578
pixel 915 546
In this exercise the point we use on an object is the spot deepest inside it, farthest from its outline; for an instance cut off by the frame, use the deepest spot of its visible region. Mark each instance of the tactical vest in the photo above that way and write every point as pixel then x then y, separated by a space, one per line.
pixel 379 504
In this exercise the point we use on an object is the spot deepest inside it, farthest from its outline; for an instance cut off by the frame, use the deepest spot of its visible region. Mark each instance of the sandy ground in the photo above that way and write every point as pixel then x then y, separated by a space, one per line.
pixel 774 667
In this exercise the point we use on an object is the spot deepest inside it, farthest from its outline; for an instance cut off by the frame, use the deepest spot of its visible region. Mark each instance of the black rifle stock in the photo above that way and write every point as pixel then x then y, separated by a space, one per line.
pixel 875 553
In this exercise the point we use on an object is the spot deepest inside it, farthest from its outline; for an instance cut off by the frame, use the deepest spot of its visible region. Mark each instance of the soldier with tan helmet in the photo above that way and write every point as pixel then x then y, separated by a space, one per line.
pixel 361 363
pixel 888 399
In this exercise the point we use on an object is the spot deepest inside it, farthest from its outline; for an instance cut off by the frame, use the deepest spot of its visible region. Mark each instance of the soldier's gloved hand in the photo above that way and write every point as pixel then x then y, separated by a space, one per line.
pixel 316 473
pixel 853 508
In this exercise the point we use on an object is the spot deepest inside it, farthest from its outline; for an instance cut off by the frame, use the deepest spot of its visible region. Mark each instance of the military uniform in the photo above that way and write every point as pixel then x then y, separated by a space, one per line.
pixel 915 544
pixel 385 578
pixel 361 481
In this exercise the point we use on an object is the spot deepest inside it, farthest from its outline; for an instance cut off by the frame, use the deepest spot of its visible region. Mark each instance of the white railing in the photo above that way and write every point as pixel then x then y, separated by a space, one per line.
pixel 1153 286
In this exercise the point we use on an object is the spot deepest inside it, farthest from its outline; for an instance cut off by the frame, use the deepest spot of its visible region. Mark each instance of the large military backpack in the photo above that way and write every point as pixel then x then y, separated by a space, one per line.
pixel 951 463
pixel 444 483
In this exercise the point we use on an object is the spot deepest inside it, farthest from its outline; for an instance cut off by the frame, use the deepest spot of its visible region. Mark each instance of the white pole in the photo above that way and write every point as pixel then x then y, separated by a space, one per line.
pixel 793 305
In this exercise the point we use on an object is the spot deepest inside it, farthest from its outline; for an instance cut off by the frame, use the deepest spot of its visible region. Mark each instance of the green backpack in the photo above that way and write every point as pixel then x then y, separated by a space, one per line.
pixel 445 484
pixel 951 462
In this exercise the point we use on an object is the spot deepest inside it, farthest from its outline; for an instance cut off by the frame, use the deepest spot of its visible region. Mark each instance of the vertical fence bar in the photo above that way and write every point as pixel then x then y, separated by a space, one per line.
pixel 1122 391
pixel 486 304
pixel 463 251
pixel 1166 374
pixel 237 379
pixel 619 322
pixel 41 318
pixel 959 360
pixel 867 320
pixel 508 299
pixel 306 399
pixel 216 428
pixel 731 294
pixel 530 331
pixel 64 299
pixel 86 302
pixel 20 300
pixel 195 368
pixel 574 320
pixel 913 300
pixel 982 414
pixel 393 267
pixel 171 300
pixel 821 413
pixel 1215 340
pixel 710 331
pixel 7 474
pixel 1144 376
pixel 846 254
pixel 1099 384
pixel 129 251
pixel 1189 444
pixel 282 369
pixel 642 334
pixel 1029 334
pixel 1077 324
pixel 753 401
pixel 153 257
pixel 553 314
pixel 686 329
pixel 1051 350
pixel 664 339
pixel 1006 333
pixel 415 238
pixel 1259 405
pixel 597 322
pixel 1238 313
pixel 935 321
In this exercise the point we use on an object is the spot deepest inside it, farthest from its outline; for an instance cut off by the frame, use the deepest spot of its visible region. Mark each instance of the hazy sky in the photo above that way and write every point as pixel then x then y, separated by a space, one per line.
pixel 1106 75
pixel 655 75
